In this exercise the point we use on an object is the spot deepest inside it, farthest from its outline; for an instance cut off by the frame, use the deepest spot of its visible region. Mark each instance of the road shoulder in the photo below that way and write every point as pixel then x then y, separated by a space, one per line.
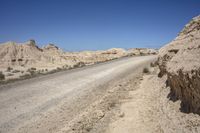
pixel 149 110
pixel 96 117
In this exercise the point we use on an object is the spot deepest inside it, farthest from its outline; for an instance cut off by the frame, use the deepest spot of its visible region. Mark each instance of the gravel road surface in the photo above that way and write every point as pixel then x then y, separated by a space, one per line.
pixel 49 103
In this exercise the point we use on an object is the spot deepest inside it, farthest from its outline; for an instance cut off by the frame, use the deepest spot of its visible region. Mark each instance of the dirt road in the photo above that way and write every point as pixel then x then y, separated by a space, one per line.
pixel 49 103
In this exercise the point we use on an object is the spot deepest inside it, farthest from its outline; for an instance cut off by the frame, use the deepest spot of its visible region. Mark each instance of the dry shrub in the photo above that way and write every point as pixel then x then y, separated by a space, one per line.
pixel 9 69
pixel 25 76
pixel 146 70
pixel 154 64
pixel 2 76
pixel 15 71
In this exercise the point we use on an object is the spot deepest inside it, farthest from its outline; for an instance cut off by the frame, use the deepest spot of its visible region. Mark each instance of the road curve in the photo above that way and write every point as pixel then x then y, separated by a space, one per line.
pixel 23 104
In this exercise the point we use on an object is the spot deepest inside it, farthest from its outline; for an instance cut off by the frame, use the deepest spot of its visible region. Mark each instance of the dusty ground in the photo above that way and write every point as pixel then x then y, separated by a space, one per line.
pixel 79 100
pixel 148 110
pixel 114 97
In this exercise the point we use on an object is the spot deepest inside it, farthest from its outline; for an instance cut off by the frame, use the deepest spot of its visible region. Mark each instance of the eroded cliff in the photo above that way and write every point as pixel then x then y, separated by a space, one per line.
pixel 180 61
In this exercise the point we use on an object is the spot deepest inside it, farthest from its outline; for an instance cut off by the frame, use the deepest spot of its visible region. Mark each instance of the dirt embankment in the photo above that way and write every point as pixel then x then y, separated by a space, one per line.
pixel 159 104
pixel 180 61
pixel 148 110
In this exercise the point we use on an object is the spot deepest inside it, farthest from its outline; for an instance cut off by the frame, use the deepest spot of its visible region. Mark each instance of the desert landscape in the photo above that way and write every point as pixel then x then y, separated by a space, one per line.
pixel 161 95
pixel 24 60
pixel 116 68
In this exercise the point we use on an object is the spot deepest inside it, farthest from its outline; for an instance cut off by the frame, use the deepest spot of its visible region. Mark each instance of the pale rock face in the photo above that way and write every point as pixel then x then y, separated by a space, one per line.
pixel 180 61
pixel 23 56
pixel 142 51
pixel 12 54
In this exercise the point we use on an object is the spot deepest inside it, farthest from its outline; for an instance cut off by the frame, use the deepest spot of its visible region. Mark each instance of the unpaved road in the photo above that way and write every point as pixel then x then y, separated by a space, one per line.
pixel 48 103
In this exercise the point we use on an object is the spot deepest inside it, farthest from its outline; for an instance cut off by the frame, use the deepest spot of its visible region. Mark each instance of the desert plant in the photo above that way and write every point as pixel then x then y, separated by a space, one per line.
pixel 79 64
pixel 156 63
pixel 146 70
pixel 152 64
pixel 65 67
pixel 32 72
pixel 2 76
pixel 9 69
pixel 25 76
pixel 33 68
pixel 58 68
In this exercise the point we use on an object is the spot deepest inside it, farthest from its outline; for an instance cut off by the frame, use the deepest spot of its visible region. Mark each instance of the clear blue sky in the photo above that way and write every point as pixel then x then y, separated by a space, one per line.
pixel 95 24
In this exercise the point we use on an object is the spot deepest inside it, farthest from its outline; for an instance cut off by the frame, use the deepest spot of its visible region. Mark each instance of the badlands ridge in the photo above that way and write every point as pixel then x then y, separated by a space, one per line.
pixel 26 59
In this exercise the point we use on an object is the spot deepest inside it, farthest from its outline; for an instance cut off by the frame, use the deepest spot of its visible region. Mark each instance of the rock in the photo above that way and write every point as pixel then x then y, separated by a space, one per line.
pixel 142 51
pixel 180 61
pixel 100 114
pixel 23 56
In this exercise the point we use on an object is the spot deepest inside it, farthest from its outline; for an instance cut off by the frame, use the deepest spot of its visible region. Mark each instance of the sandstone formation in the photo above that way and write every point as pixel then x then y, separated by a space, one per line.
pixel 142 51
pixel 180 61
pixel 18 59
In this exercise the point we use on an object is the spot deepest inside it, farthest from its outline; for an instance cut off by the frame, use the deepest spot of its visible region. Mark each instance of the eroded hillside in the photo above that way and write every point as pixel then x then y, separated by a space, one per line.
pixel 27 59
pixel 180 61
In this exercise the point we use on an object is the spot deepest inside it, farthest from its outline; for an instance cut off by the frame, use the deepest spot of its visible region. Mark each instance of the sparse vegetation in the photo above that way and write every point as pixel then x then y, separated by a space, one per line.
pixel 15 71
pixel 146 70
pixel 79 64
pixel 10 74
pixel 9 69
pixel 25 76
pixel 2 76
pixel 32 72
pixel 65 67
pixel 58 68
pixel 33 69
pixel 154 64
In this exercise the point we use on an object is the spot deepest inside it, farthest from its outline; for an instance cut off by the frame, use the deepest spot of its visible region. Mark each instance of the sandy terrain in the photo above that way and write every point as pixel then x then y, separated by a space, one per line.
pixel 78 100
pixel 149 110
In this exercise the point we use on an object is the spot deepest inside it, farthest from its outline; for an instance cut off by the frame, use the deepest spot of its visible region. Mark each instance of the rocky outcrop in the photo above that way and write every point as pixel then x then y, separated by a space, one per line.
pixel 28 54
pixel 12 54
pixel 25 57
pixel 142 51
pixel 180 61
